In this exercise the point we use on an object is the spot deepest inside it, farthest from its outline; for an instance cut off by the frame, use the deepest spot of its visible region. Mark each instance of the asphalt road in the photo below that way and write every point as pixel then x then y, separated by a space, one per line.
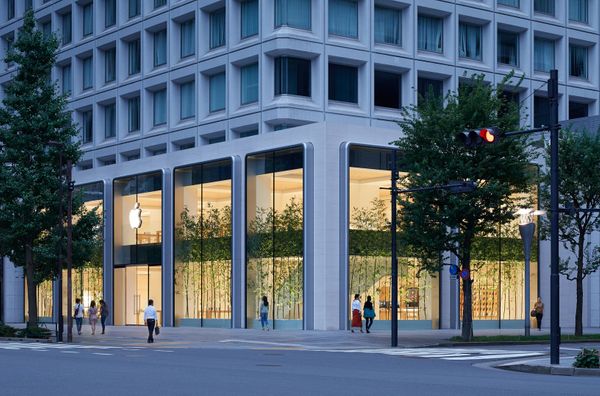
pixel 155 370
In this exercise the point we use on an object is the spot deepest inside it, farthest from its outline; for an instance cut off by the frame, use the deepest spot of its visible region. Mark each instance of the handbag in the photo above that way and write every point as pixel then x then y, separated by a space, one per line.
pixel 369 313
pixel 532 313
pixel 156 330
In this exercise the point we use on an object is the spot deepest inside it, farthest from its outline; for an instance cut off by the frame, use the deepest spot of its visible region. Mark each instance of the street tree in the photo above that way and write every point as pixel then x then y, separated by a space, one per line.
pixel 32 115
pixel 433 222
pixel 579 188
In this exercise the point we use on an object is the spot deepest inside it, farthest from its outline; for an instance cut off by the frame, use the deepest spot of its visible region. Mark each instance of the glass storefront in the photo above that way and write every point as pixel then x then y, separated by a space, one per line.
pixel 203 245
pixel 274 237
pixel 137 247
pixel 369 266
pixel 44 296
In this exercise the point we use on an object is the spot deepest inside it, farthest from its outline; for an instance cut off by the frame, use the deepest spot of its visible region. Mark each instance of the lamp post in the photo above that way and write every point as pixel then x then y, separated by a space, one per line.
pixel 527 229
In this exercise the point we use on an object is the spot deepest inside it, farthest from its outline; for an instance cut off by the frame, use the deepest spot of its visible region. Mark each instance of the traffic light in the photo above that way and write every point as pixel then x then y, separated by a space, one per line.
pixel 478 137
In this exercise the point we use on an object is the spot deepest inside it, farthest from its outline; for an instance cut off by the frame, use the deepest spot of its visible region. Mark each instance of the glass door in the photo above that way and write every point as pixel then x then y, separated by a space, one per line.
pixel 134 285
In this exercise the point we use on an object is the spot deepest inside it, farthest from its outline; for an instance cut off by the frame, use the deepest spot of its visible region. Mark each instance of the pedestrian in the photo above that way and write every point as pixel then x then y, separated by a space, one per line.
pixel 264 313
pixel 369 313
pixel 78 315
pixel 356 318
pixel 104 312
pixel 538 307
pixel 93 316
pixel 150 319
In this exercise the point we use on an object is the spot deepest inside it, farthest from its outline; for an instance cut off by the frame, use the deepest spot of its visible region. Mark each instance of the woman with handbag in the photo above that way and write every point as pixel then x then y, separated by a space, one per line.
pixel 356 318
pixel 368 313
pixel 93 316
pixel 538 307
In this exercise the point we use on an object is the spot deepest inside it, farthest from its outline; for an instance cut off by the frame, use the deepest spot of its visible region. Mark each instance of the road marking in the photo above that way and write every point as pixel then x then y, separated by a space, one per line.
pixel 285 344
pixel 102 354
pixel 161 350
pixel 445 353
pixel 69 352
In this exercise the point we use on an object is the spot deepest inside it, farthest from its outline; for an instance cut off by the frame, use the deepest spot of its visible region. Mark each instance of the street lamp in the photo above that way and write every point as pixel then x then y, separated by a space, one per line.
pixel 527 229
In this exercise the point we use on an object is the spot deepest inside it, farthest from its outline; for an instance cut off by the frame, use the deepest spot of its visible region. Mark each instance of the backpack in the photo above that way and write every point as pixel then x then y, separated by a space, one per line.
pixel 76 310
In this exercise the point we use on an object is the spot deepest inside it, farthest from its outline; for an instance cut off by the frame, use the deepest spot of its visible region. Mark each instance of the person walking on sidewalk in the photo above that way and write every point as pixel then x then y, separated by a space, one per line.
pixel 150 319
pixel 538 307
pixel 264 313
pixel 93 316
pixel 368 313
pixel 78 315
pixel 356 318
pixel 104 312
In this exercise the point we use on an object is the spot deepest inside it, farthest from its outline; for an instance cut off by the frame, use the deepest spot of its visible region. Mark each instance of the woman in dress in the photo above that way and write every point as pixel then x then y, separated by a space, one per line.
pixel 93 315
pixel 356 318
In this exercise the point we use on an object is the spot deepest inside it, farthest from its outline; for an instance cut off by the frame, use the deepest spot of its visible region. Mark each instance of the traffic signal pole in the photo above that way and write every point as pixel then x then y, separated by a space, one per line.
pixel 394 227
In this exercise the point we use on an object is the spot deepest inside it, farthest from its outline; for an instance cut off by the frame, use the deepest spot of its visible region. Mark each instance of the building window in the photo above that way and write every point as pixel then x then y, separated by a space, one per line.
pixel 431 34
pixel 46 28
pixel 508 48
pixel 67 33
pixel 274 234
pixel 187 44
pixel 429 89
pixel 469 41
pixel 217 28
pixel 10 9
pixel 578 10
pixel 160 48
pixel 544 7
pixel 159 107
pixel 543 55
pixel 203 201
pixel 249 84
pixel 88 73
pixel 292 76
pixel 388 89
pixel 28 4
pixel 134 57
pixel 88 19
pixel 541 111
pixel 509 3
pixel 133 116
pixel 578 61
pixel 343 18
pixel 187 100
pixel 110 65
pixel 343 83
pixel 578 110
pixel 293 13
pixel 248 18
pixel 110 13
pixel 110 120
pixel 217 92
pixel 388 26
pixel 67 82
pixel 87 130
pixel 159 3
pixel 134 8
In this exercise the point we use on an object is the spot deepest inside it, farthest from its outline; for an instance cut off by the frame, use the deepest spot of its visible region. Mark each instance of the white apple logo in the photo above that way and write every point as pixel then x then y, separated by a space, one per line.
pixel 135 216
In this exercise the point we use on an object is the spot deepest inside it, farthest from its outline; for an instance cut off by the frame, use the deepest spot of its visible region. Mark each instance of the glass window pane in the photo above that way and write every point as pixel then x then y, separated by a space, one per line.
pixel 469 41
pixel 510 3
pixel 429 89
pixel 87 127
pixel 388 26
pixel 217 28
pixel 160 48
pixel 88 73
pixel 67 34
pixel 188 43
pixel 508 48
pixel 248 18
pixel 543 55
pixel 133 107
pixel 88 19
pixel 343 83
pixel 578 110
pixel 249 83
pixel 544 6
pixel 159 3
pixel 110 13
pixel 217 92
pixel 292 76
pixel 160 107
pixel 388 89
pixel 67 82
pixel 110 68
pixel 541 111
pixel 578 61
pixel 430 34
pixel 10 9
pixel 134 57
pixel 343 18
pixel 110 120
pixel 293 13
pixel 187 100
pixel 578 10
pixel 134 8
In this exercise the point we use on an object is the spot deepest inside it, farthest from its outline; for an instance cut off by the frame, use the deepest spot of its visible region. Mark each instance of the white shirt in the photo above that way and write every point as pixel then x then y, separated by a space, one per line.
pixel 150 313
pixel 79 310
pixel 356 304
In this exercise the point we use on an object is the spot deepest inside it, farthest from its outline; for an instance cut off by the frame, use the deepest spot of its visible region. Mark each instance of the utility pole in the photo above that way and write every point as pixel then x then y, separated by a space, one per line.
pixel 394 222
pixel 70 188
pixel 59 277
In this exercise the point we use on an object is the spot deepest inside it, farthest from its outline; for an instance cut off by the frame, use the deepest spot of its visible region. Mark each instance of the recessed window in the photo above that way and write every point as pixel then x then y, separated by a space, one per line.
pixel 469 41
pixel 343 18
pixel 46 28
pixel 110 13
pixel 544 7
pixel 293 13
pixel 160 48
pixel 110 65
pixel 509 3
pixel 159 107
pixel 9 41
pixel 10 9
pixel 187 100
pixel 508 48
pixel 67 80
pixel 578 61
pixel 133 114
pixel 430 89
pixel 28 4
pixel 216 139
pixel 134 8
pixel 88 73
pixel 541 113
pixel 578 110
pixel 252 132
pixel 217 28
pixel 110 121
pixel 217 92
pixel 134 56
pixel 543 54
pixel 388 89
pixel 248 18
pixel 249 83
pixel 87 121
pixel 509 100
pixel 292 76
pixel 159 3
pixel 343 83
pixel 578 10
pixel 67 33
pixel 430 34
pixel 88 19
pixel 187 42
pixel 388 26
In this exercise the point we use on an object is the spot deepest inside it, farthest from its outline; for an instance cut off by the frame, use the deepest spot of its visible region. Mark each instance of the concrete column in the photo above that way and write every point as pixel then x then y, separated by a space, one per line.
pixel 238 242
pixel 167 248
pixel 107 273
pixel 309 234
pixel 13 293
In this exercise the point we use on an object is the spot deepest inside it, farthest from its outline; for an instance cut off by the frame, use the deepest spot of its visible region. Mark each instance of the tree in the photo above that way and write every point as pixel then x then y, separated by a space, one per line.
pixel 32 114
pixel 579 188
pixel 436 221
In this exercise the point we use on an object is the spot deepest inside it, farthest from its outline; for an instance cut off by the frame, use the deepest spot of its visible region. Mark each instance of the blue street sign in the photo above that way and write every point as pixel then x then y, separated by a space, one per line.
pixel 453 269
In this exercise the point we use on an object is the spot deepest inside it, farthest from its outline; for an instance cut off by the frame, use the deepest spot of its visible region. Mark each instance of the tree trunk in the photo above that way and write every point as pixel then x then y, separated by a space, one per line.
pixel 31 288
pixel 579 283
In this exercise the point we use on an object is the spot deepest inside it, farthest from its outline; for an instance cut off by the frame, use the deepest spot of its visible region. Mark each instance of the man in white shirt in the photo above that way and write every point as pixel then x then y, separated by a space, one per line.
pixel 150 319
pixel 78 314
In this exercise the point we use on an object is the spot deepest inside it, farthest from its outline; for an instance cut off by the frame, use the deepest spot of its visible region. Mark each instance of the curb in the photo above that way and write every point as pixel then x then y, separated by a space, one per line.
pixel 565 371
pixel 532 342
pixel 32 340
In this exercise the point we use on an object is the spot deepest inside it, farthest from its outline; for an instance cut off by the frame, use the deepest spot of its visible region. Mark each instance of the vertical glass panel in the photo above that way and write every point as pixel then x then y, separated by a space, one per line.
pixel 203 245
pixel 134 8
pixel 292 76
pixel 578 10
pixel 248 18
pixel 388 89
pixel 544 6
pixel 10 9
pixel 133 107
pixel 67 34
pixel 110 120
pixel 134 57
pixel 543 56
pixel 160 48
pixel 159 107
pixel 508 48
pixel 159 3
pixel 67 82
pixel 187 41
pixel 46 29
pixel 217 28
pixel 88 19
pixel 388 26
pixel 187 100
pixel 541 111
pixel 293 13
pixel 110 13
pixel 578 61
pixel 430 89
pixel 249 83
pixel 343 18
pixel 44 297
pixel 217 92
pixel 510 3
pixel 430 34
pixel 469 41
pixel 88 73
pixel 87 123
pixel 110 65
pixel 274 266
pixel 343 83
